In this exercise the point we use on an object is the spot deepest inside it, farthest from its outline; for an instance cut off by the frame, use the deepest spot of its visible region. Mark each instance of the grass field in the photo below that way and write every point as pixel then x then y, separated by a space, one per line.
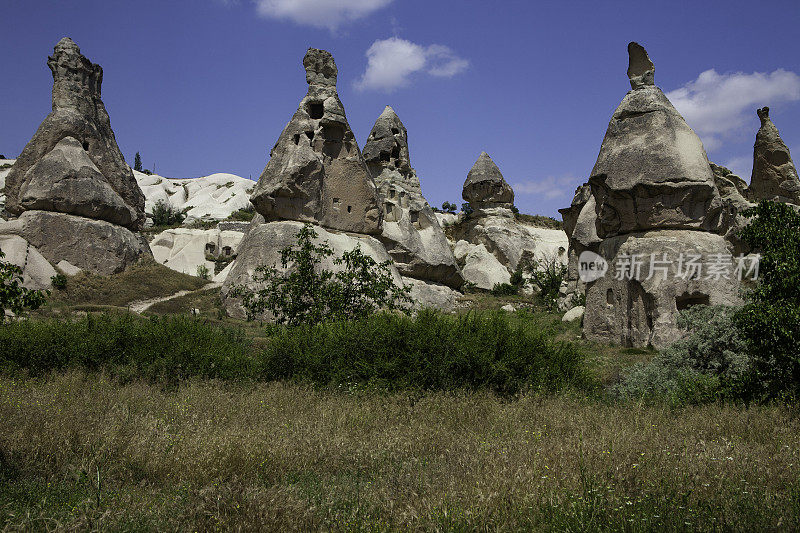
pixel 81 452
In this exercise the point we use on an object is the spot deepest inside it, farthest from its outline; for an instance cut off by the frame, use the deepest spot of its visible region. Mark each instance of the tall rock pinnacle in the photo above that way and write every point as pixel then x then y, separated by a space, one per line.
pixel 774 173
pixel 316 172
pixel 485 185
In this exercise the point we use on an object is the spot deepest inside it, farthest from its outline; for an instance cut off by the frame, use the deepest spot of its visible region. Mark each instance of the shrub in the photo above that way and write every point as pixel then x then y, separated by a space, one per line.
pixel 705 365
pixel 166 215
pixel 137 162
pixel 505 289
pixel 245 214
pixel 546 275
pixel 430 351
pixel 447 207
pixel 770 318
pixel 168 348
pixel 203 272
pixel 13 296
pixel 304 293
pixel 466 209
pixel 59 281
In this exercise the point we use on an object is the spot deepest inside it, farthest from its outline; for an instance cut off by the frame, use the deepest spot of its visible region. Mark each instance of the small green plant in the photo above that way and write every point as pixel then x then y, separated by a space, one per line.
pixel 505 289
pixel 166 215
pixel 59 281
pixel 203 272
pixel 303 293
pixel 245 214
pixel 13 296
pixel 466 209
pixel 546 275
pixel 515 210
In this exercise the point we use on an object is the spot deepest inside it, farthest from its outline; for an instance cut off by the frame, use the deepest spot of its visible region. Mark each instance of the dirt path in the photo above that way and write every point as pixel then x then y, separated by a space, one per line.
pixel 143 305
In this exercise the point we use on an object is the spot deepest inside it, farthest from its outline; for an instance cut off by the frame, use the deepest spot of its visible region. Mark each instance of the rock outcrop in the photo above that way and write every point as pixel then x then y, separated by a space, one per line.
pixel 186 249
pixel 653 203
pixel 491 242
pixel 485 187
pixel 411 232
pixel 317 175
pixel 75 197
pixel 774 174
pixel 316 172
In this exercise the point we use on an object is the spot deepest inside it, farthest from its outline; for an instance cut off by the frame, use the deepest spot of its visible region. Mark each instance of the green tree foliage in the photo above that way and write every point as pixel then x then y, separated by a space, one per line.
pixel 770 318
pixel 449 208
pixel 706 365
pixel 13 296
pixel 303 293
pixel 166 215
pixel 546 275
pixel 137 162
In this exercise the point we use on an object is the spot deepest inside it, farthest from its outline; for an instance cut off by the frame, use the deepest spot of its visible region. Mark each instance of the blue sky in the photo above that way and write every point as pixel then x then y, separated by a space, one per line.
pixel 203 86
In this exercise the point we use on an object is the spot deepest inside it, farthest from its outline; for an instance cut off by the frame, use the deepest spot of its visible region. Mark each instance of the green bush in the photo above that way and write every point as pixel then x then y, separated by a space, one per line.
pixel 430 351
pixel 245 214
pixel 203 272
pixel 546 275
pixel 705 365
pixel 13 296
pixel 304 293
pixel 166 215
pixel 169 348
pixel 59 282
pixel 770 318
pixel 505 289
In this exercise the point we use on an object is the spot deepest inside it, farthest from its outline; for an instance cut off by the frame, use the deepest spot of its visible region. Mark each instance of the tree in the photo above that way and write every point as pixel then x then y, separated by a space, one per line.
pixel 137 162
pixel 449 208
pixel 770 318
pixel 546 275
pixel 303 293
pixel 166 215
pixel 13 296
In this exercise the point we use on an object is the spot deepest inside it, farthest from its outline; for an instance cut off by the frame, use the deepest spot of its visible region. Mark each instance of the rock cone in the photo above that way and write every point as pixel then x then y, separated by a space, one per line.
pixel 316 172
pixel 485 186
pixel 78 122
pixel 774 174
pixel 75 197
pixel 411 233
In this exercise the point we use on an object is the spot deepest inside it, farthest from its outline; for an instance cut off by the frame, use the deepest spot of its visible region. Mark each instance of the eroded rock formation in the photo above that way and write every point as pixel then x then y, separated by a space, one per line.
pixel 316 172
pixel 75 198
pixel 774 174
pixel 652 202
pixel 485 187
pixel 411 232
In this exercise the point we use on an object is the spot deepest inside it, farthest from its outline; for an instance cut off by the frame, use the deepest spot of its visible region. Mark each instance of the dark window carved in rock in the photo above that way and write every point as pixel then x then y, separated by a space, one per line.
pixel 315 110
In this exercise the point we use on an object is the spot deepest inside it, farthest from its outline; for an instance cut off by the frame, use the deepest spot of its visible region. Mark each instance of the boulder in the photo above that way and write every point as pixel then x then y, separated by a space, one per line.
pixel 485 186
pixel 185 249
pixel 93 245
pixel 640 309
pixel 434 295
pixel 37 272
pixel 78 113
pixel 411 232
pixel 66 180
pixel 262 246
pixel 576 313
pixel 774 174
pixel 479 266
pixel 68 268
pixel 316 173
pixel 652 171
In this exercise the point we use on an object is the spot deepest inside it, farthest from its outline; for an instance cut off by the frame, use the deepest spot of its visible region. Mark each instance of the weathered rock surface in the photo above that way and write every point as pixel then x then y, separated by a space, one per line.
pixel 485 186
pixel 316 173
pixel 262 245
pixel 641 312
pixel 5 169
pixel 213 197
pixel 78 112
pixel 411 231
pixel 185 249
pixel 66 180
pixel 37 272
pixel 774 174
pixel 576 313
pixel 93 245
pixel 479 266
pixel 652 170
pixel 434 295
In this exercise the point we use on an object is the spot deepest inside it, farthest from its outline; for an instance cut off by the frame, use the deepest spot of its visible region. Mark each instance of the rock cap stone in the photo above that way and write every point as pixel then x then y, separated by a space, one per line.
pixel 485 185
pixel 641 70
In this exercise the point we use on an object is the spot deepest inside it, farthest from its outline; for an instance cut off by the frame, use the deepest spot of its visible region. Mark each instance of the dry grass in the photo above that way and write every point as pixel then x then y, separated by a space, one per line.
pixel 279 457
pixel 141 281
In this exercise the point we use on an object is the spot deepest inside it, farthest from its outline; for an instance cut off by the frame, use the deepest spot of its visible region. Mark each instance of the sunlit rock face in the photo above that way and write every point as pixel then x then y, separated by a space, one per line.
pixel 316 172
pixel 774 174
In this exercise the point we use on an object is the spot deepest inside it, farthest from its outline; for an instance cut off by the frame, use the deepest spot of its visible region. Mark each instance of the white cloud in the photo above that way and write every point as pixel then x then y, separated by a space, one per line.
pixel 391 63
pixel 718 105
pixel 319 13
pixel 550 187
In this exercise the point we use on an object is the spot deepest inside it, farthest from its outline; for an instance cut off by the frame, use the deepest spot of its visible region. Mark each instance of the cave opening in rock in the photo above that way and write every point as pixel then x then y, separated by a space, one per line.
pixel 686 300
pixel 349 208
pixel 395 131
pixel 610 297
pixel 296 138
pixel 315 110
pixel 396 152
pixel 86 145
pixel 384 157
